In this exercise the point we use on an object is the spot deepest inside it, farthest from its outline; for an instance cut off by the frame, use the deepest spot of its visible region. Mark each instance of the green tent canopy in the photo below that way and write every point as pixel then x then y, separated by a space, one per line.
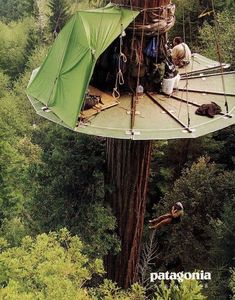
pixel 62 80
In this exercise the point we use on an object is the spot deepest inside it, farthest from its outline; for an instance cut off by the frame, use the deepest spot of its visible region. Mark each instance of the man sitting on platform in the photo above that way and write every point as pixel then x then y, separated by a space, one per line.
pixel 181 54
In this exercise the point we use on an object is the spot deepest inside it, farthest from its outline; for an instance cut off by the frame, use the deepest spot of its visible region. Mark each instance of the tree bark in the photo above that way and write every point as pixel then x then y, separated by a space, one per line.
pixel 128 165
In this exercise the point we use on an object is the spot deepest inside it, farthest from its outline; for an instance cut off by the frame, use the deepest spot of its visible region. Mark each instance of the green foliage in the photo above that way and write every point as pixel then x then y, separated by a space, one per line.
pixel 187 20
pixel 70 183
pixel 232 283
pixel 21 102
pixel 12 10
pixel 13 230
pixel 224 33
pixel 51 178
pixel 72 195
pixel 222 251
pixel 191 16
pixel 51 266
pixel 204 240
pixel 223 5
pixel 110 291
pixel 15 39
pixel 59 15
pixel 70 177
pixel 11 194
pixel 97 3
pixel 16 160
pixel 4 84
pixel 96 227
pixel 204 190
pixel 186 290
pixel 17 156
pixel 226 152
pixel 171 157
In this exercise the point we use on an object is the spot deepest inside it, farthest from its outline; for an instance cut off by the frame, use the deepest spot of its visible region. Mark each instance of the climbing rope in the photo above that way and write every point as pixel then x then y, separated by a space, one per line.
pixel 141 47
pixel 139 60
pixel 186 73
pixel 132 48
pixel 184 25
pixel 218 51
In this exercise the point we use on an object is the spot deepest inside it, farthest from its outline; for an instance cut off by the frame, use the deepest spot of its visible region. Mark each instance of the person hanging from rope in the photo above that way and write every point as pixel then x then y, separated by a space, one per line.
pixel 181 54
pixel 173 217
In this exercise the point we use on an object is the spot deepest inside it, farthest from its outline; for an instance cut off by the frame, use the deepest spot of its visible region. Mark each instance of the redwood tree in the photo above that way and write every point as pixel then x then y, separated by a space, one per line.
pixel 128 164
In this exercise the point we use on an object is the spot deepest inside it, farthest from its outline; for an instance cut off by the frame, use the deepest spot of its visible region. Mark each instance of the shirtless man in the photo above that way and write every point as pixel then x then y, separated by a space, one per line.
pixel 173 217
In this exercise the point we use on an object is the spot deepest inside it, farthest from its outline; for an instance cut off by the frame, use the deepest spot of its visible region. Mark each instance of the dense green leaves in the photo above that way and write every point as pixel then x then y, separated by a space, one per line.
pixel 52 178
pixel 4 84
pixel 187 290
pixel 15 40
pixel 70 188
pixel 205 238
pixel 232 283
pixel 14 9
pixel 49 267
pixel 201 26
pixel 223 35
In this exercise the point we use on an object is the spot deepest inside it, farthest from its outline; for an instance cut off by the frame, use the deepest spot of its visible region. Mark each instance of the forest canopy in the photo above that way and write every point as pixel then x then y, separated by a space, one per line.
pixel 55 225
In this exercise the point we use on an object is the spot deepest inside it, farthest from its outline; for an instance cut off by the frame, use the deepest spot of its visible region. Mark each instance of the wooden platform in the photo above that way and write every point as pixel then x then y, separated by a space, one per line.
pixel 107 102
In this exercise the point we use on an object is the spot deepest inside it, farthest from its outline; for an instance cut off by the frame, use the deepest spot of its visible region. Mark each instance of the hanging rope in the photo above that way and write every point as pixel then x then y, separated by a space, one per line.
pixel 186 73
pixel 184 25
pixel 140 59
pixel 141 46
pixel 132 49
pixel 218 51
pixel 187 99
pixel 190 29
pixel 121 59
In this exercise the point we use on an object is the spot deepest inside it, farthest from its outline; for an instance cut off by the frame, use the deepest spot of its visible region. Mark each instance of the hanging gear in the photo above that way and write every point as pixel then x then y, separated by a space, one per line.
pixel 158 73
pixel 120 61
pixel 137 67
pixel 152 49
pixel 170 69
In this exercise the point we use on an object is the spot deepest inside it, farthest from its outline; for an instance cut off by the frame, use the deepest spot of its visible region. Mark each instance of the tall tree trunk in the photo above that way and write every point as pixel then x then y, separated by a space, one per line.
pixel 128 164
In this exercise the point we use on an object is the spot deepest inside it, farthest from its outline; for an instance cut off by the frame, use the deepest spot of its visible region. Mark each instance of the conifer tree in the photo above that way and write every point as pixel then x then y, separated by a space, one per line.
pixel 59 15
